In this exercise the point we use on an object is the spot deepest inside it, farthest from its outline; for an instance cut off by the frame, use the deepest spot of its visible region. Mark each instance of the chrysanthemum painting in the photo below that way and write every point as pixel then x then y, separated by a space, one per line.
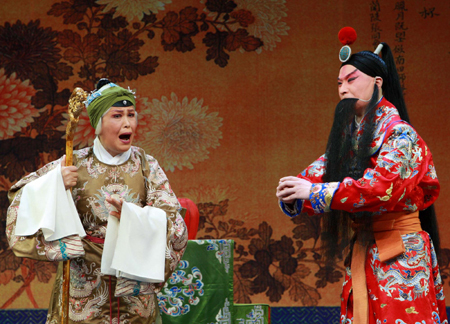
pixel 181 133
pixel 16 110
pixel 134 8
pixel 262 18
pixel 26 48
pixel 268 24
pixel 145 120
pixel 84 134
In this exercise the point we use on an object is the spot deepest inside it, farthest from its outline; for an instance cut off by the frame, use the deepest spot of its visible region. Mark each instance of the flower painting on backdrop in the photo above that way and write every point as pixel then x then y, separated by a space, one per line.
pixel 228 80
pixel 104 38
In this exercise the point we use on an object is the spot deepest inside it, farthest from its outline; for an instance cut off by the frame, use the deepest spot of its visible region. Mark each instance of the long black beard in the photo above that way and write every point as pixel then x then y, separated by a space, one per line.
pixel 345 158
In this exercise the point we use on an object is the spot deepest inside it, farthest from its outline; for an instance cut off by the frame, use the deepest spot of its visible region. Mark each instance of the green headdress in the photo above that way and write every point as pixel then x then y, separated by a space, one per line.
pixel 99 101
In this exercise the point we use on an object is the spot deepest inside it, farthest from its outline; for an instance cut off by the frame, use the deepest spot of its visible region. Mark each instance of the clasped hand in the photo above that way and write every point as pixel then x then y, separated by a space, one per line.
pixel 69 174
pixel 291 188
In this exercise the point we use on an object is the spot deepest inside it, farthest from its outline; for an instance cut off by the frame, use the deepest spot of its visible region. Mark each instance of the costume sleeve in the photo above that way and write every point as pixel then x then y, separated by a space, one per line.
pixel 403 178
pixel 35 245
pixel 313 173
pixel 160 195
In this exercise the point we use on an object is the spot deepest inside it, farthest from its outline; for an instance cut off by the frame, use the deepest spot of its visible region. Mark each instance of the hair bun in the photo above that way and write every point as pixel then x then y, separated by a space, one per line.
pixel 102 82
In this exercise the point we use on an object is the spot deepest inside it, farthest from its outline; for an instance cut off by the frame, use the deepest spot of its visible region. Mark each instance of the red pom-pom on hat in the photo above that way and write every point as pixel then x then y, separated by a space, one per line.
pixel 347 36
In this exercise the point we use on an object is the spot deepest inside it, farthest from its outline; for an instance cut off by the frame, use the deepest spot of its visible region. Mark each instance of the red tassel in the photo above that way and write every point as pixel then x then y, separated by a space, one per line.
pixel 347 36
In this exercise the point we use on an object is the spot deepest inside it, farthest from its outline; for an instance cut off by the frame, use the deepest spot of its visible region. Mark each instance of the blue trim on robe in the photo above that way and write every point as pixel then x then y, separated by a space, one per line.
pixel 298 203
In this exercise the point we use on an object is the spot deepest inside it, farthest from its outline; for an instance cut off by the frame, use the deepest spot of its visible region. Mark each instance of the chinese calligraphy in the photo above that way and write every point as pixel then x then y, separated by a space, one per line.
pixel 400 37
pixel 428 12
pixel 375 22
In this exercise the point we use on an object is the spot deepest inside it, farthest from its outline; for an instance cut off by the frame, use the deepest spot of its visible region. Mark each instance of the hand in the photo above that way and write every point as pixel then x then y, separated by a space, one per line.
pixel 292 188
pixel 69 174
pixel 117 204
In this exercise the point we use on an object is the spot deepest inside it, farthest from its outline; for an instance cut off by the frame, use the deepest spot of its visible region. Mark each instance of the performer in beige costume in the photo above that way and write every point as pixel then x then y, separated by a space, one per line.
pixel 121 227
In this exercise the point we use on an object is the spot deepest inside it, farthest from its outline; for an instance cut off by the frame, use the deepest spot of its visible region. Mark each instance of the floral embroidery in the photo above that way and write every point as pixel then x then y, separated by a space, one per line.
pixel 93 169
pixel 81 154
pixel 114 174
pixel 100 207
pixel 77 191
pixel 132 167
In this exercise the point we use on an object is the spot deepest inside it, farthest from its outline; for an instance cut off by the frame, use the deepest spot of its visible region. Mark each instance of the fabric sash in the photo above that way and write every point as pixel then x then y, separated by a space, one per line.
pixel 387 230
pixel 93 239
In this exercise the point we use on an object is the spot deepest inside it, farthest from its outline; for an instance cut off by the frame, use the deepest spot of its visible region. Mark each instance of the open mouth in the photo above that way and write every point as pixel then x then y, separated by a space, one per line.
pixel 125 137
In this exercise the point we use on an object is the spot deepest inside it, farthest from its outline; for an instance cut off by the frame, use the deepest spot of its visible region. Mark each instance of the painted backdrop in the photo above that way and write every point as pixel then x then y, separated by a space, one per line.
pixel 232 95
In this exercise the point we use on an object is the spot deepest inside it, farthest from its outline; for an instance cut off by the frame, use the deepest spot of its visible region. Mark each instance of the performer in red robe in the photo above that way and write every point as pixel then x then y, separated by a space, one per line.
pixel 375 177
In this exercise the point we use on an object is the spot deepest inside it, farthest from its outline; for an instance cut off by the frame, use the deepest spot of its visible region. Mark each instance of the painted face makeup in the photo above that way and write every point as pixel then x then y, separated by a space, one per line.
pixel 352 83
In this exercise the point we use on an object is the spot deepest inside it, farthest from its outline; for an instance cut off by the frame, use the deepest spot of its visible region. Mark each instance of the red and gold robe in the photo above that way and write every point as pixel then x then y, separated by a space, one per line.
pixel 401 178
